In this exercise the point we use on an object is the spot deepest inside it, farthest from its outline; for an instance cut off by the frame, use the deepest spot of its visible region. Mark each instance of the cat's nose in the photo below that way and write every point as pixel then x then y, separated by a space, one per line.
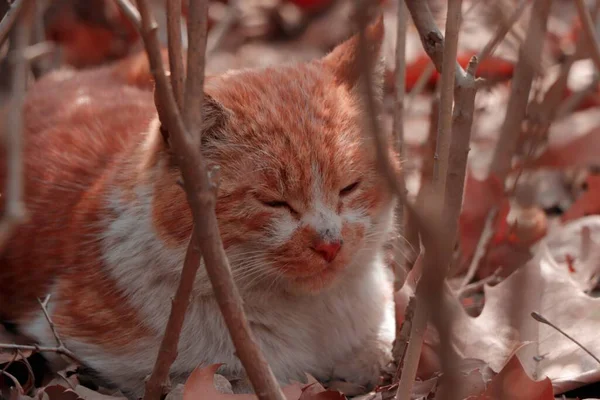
pixel 328 249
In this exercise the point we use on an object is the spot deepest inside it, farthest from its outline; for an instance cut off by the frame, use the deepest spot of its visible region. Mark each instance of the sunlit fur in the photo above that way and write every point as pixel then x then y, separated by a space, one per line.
pixel 109 223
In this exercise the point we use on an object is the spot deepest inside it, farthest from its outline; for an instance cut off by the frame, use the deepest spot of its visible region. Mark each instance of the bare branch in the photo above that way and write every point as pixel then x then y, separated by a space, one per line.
pixel 9 19
pixel 15 381
pixel 43 305
pixel 175 49
pixel 449 52
pixel 219 31
pixel 158 384
pixel 439 238
pixel 14 210
pixel 400 74
pixel 590 32
pixel 43 349
pixel 458 150
pixel 201 195
pixel 431 37
pixel 502 31
pixel 60 346
pixel 130 12
pixel 398 132
pixel 196 57
pixel 520 88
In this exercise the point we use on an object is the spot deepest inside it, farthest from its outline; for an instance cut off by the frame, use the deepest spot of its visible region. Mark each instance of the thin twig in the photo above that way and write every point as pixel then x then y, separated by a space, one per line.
pixel 43 305
pixel 175 49
pixel 201 195
pixel 502 31
pixel 16 354
pixel 30 375
pixel 9 19
pixel 130 12
pixel 15 381
pixel 400 74
pixel 589 31
pixel 43 349
pixel 14 209
pixel 61 348
pixel 219 31
pixel 538 317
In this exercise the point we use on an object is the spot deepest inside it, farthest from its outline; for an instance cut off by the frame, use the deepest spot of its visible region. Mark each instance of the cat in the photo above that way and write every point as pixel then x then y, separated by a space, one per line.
pixel 303 214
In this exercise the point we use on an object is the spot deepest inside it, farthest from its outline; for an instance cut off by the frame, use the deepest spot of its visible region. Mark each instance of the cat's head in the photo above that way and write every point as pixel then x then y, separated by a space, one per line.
pixel 300 200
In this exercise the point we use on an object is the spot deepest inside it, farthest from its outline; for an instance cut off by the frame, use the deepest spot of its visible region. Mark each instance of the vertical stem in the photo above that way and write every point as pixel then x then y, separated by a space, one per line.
pixel 447 96
pixel 14 206
pixel 175 49
pixel 196 57
pixel 530 55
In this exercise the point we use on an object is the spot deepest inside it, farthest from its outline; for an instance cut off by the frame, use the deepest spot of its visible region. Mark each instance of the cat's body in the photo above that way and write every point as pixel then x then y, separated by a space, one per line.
pixel 302 211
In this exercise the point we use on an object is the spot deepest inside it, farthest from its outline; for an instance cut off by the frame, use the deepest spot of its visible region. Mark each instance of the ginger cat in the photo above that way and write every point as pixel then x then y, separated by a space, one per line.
pixel 303 214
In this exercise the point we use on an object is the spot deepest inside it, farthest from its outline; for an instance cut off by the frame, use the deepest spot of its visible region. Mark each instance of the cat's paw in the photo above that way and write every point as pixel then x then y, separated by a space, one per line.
pixel 363 367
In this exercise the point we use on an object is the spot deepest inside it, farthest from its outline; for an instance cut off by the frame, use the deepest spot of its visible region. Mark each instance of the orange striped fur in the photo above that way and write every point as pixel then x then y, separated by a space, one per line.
pixel 302 211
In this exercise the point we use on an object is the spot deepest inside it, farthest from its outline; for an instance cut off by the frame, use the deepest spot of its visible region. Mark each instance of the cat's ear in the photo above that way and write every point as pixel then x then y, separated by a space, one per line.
pixel 215 115
pixel 344 60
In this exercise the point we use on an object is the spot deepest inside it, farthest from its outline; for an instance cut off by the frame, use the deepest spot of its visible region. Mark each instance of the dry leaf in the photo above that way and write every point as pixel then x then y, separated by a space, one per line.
pixel 89 394
pixel 513 383
pixel 200 385
pixel 59 392
pixel 572 142
pixel 548 289
pixel 480 196
pixel 588 203
pixel 578 252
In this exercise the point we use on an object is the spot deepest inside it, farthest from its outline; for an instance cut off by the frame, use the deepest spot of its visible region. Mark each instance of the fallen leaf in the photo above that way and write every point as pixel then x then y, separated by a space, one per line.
pixel 200 385
pixel 513 383
pixel 59 392
pixel 89 394
pixel 562 385
pixel 480 196
pixel 345 388
pixel 572 142
pixel 588 203
pixel 572 248
pixel 544 287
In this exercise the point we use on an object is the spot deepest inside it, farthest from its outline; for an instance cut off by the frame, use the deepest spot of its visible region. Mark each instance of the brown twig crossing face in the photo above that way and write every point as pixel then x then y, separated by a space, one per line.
pixel 300 200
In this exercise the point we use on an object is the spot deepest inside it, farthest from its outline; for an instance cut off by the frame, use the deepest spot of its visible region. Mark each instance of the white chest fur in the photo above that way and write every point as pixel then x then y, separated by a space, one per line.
pixel 298 333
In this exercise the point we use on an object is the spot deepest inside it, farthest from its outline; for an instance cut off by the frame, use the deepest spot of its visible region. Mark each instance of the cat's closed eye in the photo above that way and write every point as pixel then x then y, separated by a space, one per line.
pixel 349 189
pixel 279 204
